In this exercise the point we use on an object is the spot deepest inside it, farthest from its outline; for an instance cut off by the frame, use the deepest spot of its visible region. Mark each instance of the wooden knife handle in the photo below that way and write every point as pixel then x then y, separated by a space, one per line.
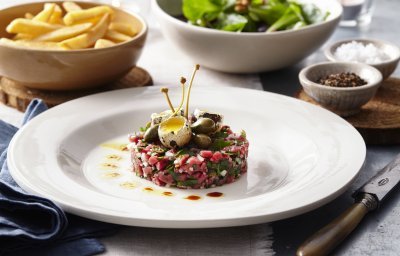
pixel 327 238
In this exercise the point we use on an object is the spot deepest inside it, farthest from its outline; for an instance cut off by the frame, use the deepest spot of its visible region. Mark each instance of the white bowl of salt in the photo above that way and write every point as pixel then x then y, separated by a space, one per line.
pixel 380 54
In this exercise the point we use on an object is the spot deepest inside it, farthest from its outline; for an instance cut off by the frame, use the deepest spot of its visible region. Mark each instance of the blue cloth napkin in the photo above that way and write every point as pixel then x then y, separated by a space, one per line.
pixel 31 225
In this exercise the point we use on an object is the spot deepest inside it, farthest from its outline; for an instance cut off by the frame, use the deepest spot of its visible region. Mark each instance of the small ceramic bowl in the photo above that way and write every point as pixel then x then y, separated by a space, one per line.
pixel 344 101
pixel 386 67
pixel 70 69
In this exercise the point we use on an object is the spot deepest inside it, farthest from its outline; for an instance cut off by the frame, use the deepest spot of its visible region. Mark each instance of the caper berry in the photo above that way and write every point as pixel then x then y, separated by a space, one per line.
pixel 151 134
pixel 204 126
pixel 202 140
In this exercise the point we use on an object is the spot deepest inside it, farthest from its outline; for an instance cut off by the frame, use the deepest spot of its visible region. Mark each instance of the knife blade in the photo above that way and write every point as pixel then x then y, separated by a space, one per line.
pixel 367 198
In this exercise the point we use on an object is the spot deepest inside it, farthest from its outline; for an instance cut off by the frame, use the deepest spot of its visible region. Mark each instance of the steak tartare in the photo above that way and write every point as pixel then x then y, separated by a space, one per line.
pixel 191 167
pixel 176 149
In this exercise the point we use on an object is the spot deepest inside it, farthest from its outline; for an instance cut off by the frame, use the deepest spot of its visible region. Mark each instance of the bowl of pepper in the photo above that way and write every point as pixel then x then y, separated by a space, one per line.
pixel 342 87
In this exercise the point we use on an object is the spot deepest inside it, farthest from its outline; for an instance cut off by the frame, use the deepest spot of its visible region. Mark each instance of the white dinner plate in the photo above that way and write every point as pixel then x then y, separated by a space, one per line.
pixel 300 157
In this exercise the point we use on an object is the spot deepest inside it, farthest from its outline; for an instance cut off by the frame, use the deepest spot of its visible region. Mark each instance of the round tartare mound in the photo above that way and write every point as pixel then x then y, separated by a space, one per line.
pixel 191 167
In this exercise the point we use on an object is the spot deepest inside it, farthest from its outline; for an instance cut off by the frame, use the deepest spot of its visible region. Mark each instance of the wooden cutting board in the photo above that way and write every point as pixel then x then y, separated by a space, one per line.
pixel 379 120
pixel 19 97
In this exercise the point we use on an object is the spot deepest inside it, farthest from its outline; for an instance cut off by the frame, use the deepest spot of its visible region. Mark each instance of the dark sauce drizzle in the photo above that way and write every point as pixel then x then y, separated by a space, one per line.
pixel 193 197
pixel 215 194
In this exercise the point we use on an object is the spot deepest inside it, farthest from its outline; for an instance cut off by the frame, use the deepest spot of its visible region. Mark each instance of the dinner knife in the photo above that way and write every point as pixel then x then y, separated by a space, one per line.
pixel 367 198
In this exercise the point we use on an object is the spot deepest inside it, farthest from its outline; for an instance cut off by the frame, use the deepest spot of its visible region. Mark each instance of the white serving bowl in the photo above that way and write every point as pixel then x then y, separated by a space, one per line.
pixel 244 52
pixel 344 101
pixel 385 67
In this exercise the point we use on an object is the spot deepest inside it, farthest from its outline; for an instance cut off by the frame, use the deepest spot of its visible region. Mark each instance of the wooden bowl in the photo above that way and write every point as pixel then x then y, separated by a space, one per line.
pixel 70 69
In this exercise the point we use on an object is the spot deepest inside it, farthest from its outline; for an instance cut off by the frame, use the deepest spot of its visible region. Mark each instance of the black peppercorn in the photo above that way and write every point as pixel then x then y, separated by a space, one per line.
pixel 345 79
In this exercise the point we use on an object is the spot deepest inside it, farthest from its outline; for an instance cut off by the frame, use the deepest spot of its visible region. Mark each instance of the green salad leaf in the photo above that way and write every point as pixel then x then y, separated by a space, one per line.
pixel 269 14
pixel 200 12
pixel 313 14
pixel 251 16
pixel 231 22
pixel 292 15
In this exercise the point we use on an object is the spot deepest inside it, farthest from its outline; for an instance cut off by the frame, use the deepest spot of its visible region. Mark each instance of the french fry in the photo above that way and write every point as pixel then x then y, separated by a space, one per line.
pixel 116 36
pixel 29 16
pixel 64 33
pixel 46 13
pixel 88 39
pixel 78 42
pixel 94 21
pixel 23 37
pixel 123 28
pixel 30 27
pixel 56 16
pixel 78 29
pixel 71 6
pixel 31 44
pixel 102 43
pixel 76 16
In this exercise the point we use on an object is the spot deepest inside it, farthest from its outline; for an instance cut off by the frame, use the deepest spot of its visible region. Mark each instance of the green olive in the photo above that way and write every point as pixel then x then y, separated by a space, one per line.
pixel 203 125
pixel 151 134
pixel 202 140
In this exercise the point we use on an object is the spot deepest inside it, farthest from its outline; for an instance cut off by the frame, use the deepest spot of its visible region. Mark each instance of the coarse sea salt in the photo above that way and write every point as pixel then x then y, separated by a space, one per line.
pixel 359 52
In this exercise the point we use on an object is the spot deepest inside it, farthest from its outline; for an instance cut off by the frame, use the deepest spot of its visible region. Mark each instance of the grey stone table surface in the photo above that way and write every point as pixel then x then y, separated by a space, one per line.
pixel 379 232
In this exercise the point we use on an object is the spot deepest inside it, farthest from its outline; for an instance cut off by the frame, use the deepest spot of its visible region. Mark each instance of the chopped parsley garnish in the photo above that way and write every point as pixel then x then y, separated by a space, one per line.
pixel 219 144
pixel 243 134
pixel 221 134
pixel 174 175
pixel 184 151
pixel 188 182
pixel 144 129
